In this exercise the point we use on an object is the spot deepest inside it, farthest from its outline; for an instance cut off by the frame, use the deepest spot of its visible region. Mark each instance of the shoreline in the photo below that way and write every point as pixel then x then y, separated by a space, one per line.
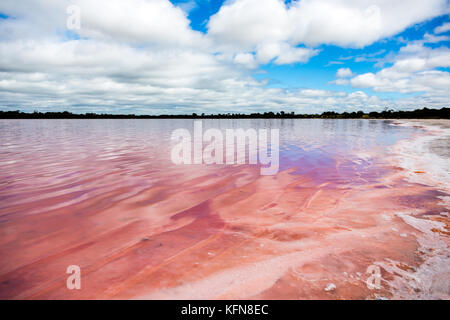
pixel 425 157
pixel 424 163
pixel 423 113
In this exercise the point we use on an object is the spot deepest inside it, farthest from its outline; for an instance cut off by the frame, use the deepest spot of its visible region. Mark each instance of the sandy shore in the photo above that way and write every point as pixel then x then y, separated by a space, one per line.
pixel 430 152
pixel 426 160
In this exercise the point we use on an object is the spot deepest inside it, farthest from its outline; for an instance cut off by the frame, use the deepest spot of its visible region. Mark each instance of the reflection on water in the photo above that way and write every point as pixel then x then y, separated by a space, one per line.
pixel 104 195
pixel 81 158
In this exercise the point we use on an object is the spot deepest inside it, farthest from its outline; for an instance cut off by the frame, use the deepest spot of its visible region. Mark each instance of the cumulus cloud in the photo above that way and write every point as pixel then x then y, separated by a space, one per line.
pixel 142 56
pixel 134 21
pixel 442 28
pixel 141 21
pixel 274 29
pixel 413 70
pixel 348 23
pixel 290 54
pixel 246 59
pixel 344 73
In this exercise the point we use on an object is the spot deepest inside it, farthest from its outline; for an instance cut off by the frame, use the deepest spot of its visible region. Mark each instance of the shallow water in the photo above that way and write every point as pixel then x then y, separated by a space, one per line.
pixel 104 195
pixel 89 157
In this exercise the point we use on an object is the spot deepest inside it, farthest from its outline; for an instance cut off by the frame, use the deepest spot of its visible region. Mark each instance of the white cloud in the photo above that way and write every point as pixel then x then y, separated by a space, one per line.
pixel 273 29
pixel 246 59
pixel 290 54
pixel 142 21
pixel 442 28
pixel 344 73
pixel 413 70
pixel 82 76
pixel 188 6
pixel 268 51
pixel 348 23
pixel 155 22
pixel 341 82
pixel 142 56
pixel 258 25
pixel 357 23
pixel 431 38
pixel 243 25
pixel 283 53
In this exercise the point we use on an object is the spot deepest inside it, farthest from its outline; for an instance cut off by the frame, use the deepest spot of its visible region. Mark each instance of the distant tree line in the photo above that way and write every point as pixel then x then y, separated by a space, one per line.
pixel 424 113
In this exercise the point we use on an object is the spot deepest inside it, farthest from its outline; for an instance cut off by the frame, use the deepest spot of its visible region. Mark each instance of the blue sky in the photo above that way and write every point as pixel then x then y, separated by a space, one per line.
pixel 183 56
pixel 321 69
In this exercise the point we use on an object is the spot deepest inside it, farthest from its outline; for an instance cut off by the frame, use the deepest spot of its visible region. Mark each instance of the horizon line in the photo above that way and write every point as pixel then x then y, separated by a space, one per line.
pixel 443 113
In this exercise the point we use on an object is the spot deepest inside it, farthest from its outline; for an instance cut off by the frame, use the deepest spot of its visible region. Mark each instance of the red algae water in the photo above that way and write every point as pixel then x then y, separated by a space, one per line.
pixel 350 197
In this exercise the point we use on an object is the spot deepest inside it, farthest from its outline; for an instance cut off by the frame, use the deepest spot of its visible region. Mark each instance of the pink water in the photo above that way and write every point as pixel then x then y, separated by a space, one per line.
pixel 104 195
